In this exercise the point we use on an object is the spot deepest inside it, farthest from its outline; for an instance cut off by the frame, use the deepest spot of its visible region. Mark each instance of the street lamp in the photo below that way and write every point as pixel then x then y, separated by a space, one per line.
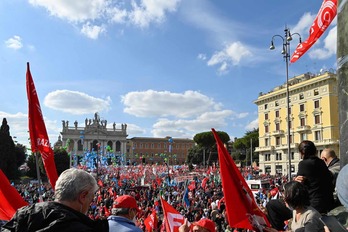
pixel 286 54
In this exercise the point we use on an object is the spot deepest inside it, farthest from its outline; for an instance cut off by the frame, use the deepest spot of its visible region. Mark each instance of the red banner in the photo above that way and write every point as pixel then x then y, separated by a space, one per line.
pixel 326 14
pixel 242 210
pixel 10 200
pixel 173 219
pixel 38 135
pixel 151 221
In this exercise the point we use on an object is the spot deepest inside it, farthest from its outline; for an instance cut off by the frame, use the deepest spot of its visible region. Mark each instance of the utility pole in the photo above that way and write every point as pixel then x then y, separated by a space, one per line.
pixel 342 74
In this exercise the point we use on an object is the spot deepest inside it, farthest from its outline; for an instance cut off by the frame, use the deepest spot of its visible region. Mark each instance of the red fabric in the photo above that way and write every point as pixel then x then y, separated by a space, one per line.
pixel 38 135
pixel 204 182
pixel 242 210
pixel 151 221
pixel 274 192
pixel 100 183
pixel 173 219
pixel 10 200
pixel 326 14
pixel 192 186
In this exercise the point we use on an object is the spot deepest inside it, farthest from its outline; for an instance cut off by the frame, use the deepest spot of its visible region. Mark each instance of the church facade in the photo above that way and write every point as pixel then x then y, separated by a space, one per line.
pixel 94 135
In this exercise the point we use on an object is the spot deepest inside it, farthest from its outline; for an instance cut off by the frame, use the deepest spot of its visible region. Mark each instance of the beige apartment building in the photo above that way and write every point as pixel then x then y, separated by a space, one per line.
pixel 313 113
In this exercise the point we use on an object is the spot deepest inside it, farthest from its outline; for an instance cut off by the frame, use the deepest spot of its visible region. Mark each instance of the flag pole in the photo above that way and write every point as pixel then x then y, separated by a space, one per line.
pixel 38 175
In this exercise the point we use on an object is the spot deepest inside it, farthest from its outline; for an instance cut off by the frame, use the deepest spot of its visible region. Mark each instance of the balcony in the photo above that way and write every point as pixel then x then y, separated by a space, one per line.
pixel 278 132
pixel 303 128
pixel 265 148
pixel 326 142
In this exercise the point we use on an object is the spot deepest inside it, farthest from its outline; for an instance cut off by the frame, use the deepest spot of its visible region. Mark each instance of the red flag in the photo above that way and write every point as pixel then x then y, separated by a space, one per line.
pixel 38 135
pixel 242 210
pixel 326 14
pixel 173 219
pixel 204 182
pixel 192 185
pixel 10 200
pixel 151 221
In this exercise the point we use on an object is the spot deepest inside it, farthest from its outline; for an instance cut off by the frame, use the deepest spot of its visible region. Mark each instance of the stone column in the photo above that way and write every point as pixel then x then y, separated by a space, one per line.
pixel 342 74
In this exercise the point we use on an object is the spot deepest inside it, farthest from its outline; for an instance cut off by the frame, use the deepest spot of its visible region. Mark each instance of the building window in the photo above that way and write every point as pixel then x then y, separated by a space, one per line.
pixel 303 121
pixel 266 116
pixel 278 141
pixel 301 96
pixel 277 113
pixel 290 124
pixel 292 155
pixel 152 145
pixel 134 145
pixel 290 139
pixel 146 145
pixel 159 145
pixel 266 129
pixel 317 119
pixel 278 156
pixel 317 135
pixel 141 145
pixel 266 106
pixel 276 103
pixel 301 107
pixel 277 126
pixel 80 145
pixel 316 92
pixel 266 142
pixel 316 104
pixel 303 136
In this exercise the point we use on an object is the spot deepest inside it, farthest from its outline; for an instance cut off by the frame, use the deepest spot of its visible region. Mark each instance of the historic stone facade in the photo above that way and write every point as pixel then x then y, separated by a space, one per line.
pixel 94 135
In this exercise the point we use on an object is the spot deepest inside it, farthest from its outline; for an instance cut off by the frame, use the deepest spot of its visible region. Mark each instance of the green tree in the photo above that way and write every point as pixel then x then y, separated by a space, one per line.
pixel 8 158
pixel 243 145
pixel 207 141
pixel 195 155
pixel 21 154
pixel 31 163
pixel 62 159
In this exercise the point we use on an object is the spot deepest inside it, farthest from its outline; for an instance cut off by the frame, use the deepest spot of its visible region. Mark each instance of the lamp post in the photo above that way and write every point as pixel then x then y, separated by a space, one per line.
pixel 286 55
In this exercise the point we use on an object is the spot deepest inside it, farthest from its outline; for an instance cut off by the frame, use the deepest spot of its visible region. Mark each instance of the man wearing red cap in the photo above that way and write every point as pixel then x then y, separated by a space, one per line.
pixel 203 225
pixel 123 216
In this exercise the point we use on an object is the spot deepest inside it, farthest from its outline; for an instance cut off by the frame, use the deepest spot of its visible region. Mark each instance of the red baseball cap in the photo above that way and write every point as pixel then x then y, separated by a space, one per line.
pixel 206 223
pixel 126 202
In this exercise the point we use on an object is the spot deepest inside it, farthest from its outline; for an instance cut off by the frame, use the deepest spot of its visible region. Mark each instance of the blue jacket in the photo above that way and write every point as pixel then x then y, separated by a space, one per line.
pixel 122 224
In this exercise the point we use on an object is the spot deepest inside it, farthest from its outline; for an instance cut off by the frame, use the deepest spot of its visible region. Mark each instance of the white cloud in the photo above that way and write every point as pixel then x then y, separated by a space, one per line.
pixel 303 25
pixel 202 56
pixel 148 11
pixel 152 103
pixel 231 55
pixel 73 11
pixel 330 46
pixel 252 125
pixel 92 31
pixel 18 124
pixel 75 102
pixel 84 13
pixel 15 42
pixel 188 128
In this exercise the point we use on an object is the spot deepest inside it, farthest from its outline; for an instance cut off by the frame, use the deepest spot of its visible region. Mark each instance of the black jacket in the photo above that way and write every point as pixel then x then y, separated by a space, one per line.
pixel 52 216
pixel 319 183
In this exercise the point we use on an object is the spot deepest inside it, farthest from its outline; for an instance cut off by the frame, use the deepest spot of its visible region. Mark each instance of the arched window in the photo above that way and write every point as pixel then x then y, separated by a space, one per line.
pixel 118 146
pixel 80 145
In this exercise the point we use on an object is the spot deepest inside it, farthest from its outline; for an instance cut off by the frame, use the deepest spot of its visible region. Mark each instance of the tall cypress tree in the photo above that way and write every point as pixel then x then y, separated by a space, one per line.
pixel 8 158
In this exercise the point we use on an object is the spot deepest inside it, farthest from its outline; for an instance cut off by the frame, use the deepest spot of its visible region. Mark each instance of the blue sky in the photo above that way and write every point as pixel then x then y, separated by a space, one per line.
pixel 165 68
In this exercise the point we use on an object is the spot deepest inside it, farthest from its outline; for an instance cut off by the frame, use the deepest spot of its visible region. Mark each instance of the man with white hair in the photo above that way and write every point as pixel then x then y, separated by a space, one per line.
pixel 74 191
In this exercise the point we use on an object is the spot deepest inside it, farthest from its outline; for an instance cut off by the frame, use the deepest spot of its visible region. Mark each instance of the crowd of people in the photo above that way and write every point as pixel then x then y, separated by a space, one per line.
pixel 122 198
